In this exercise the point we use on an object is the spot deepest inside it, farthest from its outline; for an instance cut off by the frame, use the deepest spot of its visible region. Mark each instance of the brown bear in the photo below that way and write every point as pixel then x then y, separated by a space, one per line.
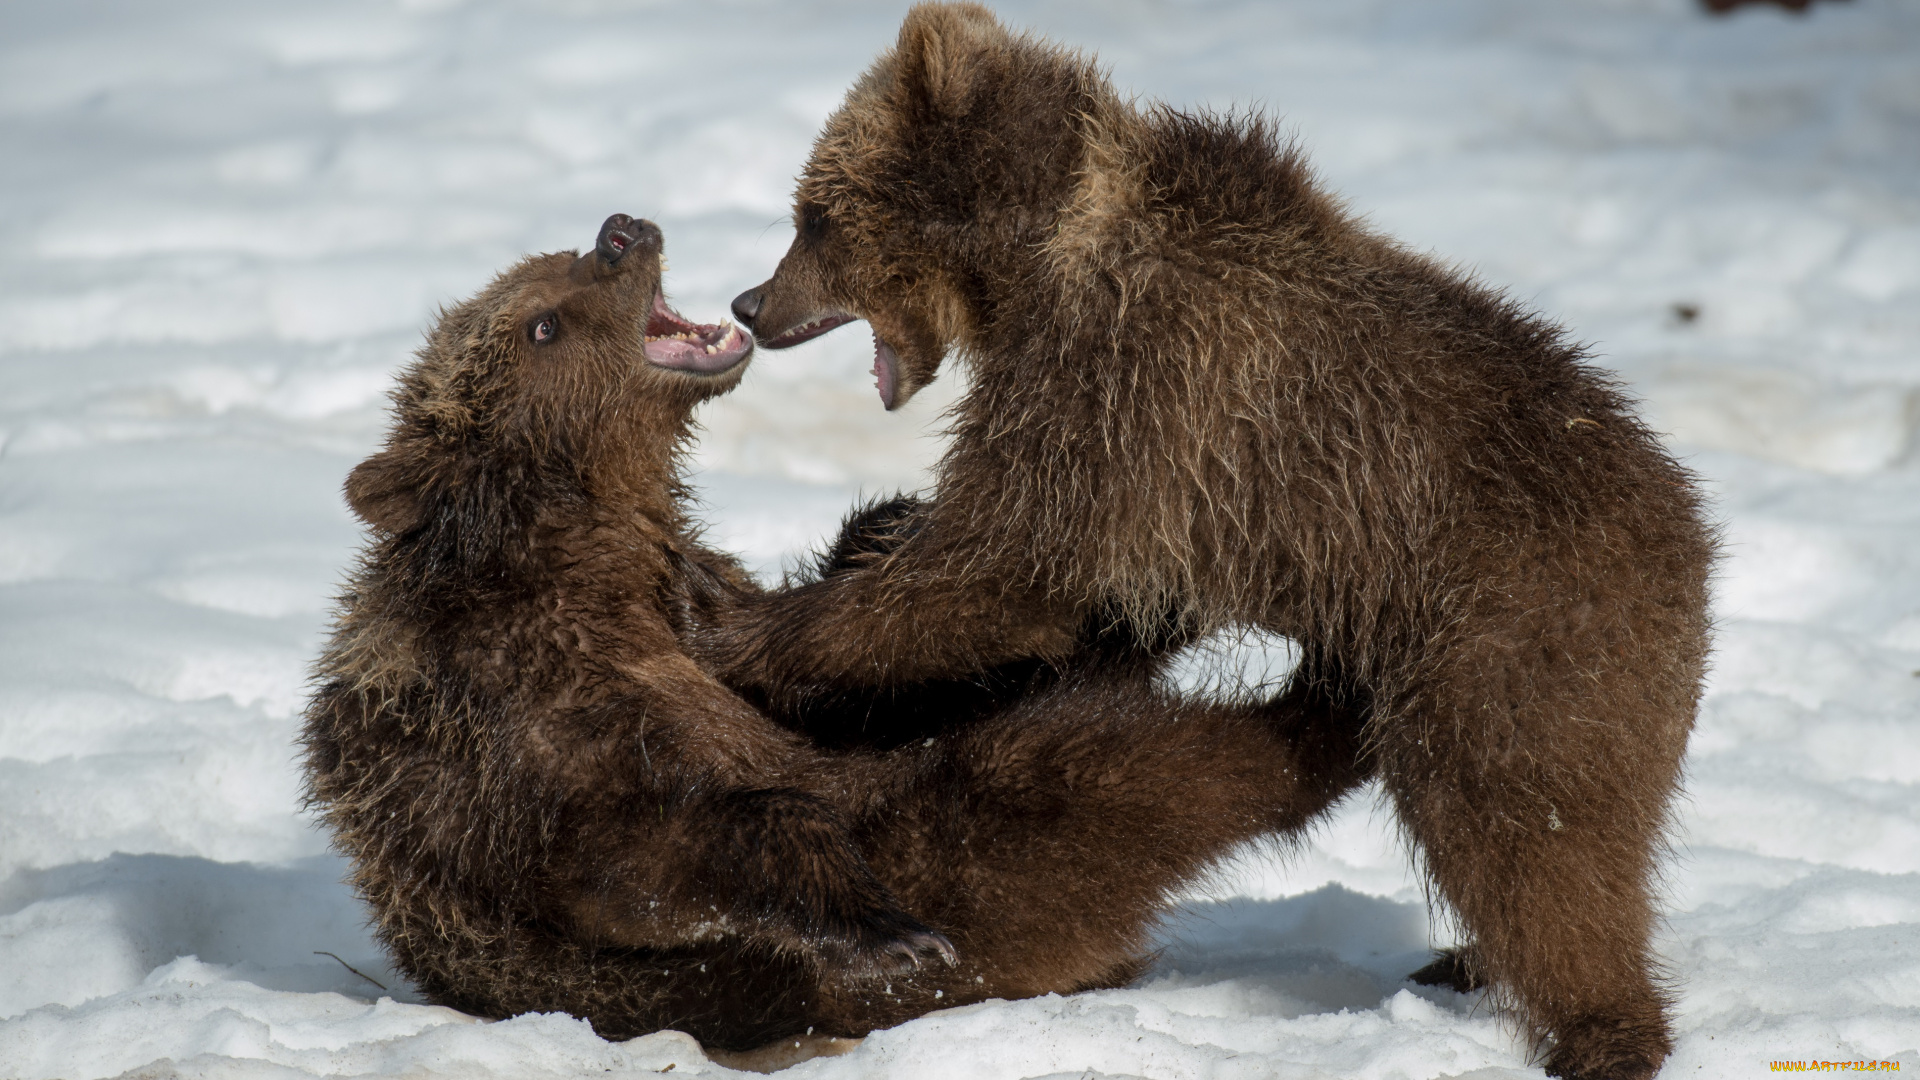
pixel 550 806
pixel 1204 393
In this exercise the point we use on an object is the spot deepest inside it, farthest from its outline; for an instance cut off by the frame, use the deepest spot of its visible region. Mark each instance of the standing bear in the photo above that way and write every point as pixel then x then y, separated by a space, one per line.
pixel 1203 395
pixel 550 805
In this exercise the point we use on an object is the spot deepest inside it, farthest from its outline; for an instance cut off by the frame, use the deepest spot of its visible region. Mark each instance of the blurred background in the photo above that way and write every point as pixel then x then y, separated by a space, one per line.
pixel 223 226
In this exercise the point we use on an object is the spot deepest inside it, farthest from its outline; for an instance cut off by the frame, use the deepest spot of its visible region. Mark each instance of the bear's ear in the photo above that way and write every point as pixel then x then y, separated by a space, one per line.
pixel 385 491
pixel 941 50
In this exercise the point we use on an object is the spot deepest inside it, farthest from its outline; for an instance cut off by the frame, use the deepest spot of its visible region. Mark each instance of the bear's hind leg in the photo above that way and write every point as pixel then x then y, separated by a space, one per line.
pixel 1047 838
pixel 1537 803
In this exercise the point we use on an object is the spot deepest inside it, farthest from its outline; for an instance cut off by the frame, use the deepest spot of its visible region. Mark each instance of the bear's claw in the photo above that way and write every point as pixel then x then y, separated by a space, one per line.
pixel 906 951
pixel 1452 969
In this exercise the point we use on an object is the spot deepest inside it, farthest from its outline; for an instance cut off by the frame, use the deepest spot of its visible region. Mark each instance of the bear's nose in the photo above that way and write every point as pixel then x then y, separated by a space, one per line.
pixel 746 307
pixel 622 233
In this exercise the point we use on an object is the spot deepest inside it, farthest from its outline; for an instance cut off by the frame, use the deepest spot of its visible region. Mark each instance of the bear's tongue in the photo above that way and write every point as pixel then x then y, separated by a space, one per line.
pixel 886 371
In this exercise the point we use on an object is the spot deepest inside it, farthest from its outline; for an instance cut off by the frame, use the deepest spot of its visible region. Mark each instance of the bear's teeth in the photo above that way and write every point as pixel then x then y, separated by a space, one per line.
pixel 711 350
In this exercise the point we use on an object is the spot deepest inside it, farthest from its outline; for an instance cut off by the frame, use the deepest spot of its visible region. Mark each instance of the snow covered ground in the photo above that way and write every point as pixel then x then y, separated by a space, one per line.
pixel 225 223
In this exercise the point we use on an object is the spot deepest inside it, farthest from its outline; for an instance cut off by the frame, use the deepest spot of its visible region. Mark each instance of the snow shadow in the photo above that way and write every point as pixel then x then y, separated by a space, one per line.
pixel 93 929
pixel 89 929
pixel 1322 951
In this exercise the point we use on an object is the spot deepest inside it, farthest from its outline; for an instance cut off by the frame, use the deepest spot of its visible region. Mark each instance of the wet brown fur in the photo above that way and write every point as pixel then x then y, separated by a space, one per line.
pixel 549 806
pixel 1204 394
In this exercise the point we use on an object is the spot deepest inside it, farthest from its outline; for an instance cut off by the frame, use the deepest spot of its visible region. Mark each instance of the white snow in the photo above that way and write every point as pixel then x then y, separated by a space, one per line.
pixel 225 223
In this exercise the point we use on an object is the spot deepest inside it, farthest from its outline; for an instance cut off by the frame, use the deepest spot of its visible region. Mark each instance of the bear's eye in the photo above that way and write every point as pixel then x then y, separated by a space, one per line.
pixel 544 329
pixel 813 222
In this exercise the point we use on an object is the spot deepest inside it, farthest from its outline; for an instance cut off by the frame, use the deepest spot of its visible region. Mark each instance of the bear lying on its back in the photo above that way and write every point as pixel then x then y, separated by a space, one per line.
pixel 1204 394
pixel 549 806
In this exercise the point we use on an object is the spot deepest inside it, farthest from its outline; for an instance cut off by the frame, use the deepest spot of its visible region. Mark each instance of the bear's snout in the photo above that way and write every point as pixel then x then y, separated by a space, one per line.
pixel 622 233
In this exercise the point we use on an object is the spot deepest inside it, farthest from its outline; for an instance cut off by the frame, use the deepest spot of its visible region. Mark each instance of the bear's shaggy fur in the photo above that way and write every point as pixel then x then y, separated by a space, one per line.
pixel 1202 392
pixel 550 806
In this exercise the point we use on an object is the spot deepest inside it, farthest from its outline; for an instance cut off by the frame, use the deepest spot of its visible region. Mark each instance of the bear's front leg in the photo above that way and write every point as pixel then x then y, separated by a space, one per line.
pixel 790 858
pixel 684 821
pixel 771 868
pixel 895 622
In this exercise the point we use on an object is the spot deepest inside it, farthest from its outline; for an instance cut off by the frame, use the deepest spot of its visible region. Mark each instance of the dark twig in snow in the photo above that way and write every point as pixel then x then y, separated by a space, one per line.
pixel 350 967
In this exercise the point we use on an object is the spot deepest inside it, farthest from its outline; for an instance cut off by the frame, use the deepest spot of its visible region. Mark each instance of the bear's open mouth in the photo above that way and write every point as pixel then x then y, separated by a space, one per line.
pixel 807 331
pixel 702 348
